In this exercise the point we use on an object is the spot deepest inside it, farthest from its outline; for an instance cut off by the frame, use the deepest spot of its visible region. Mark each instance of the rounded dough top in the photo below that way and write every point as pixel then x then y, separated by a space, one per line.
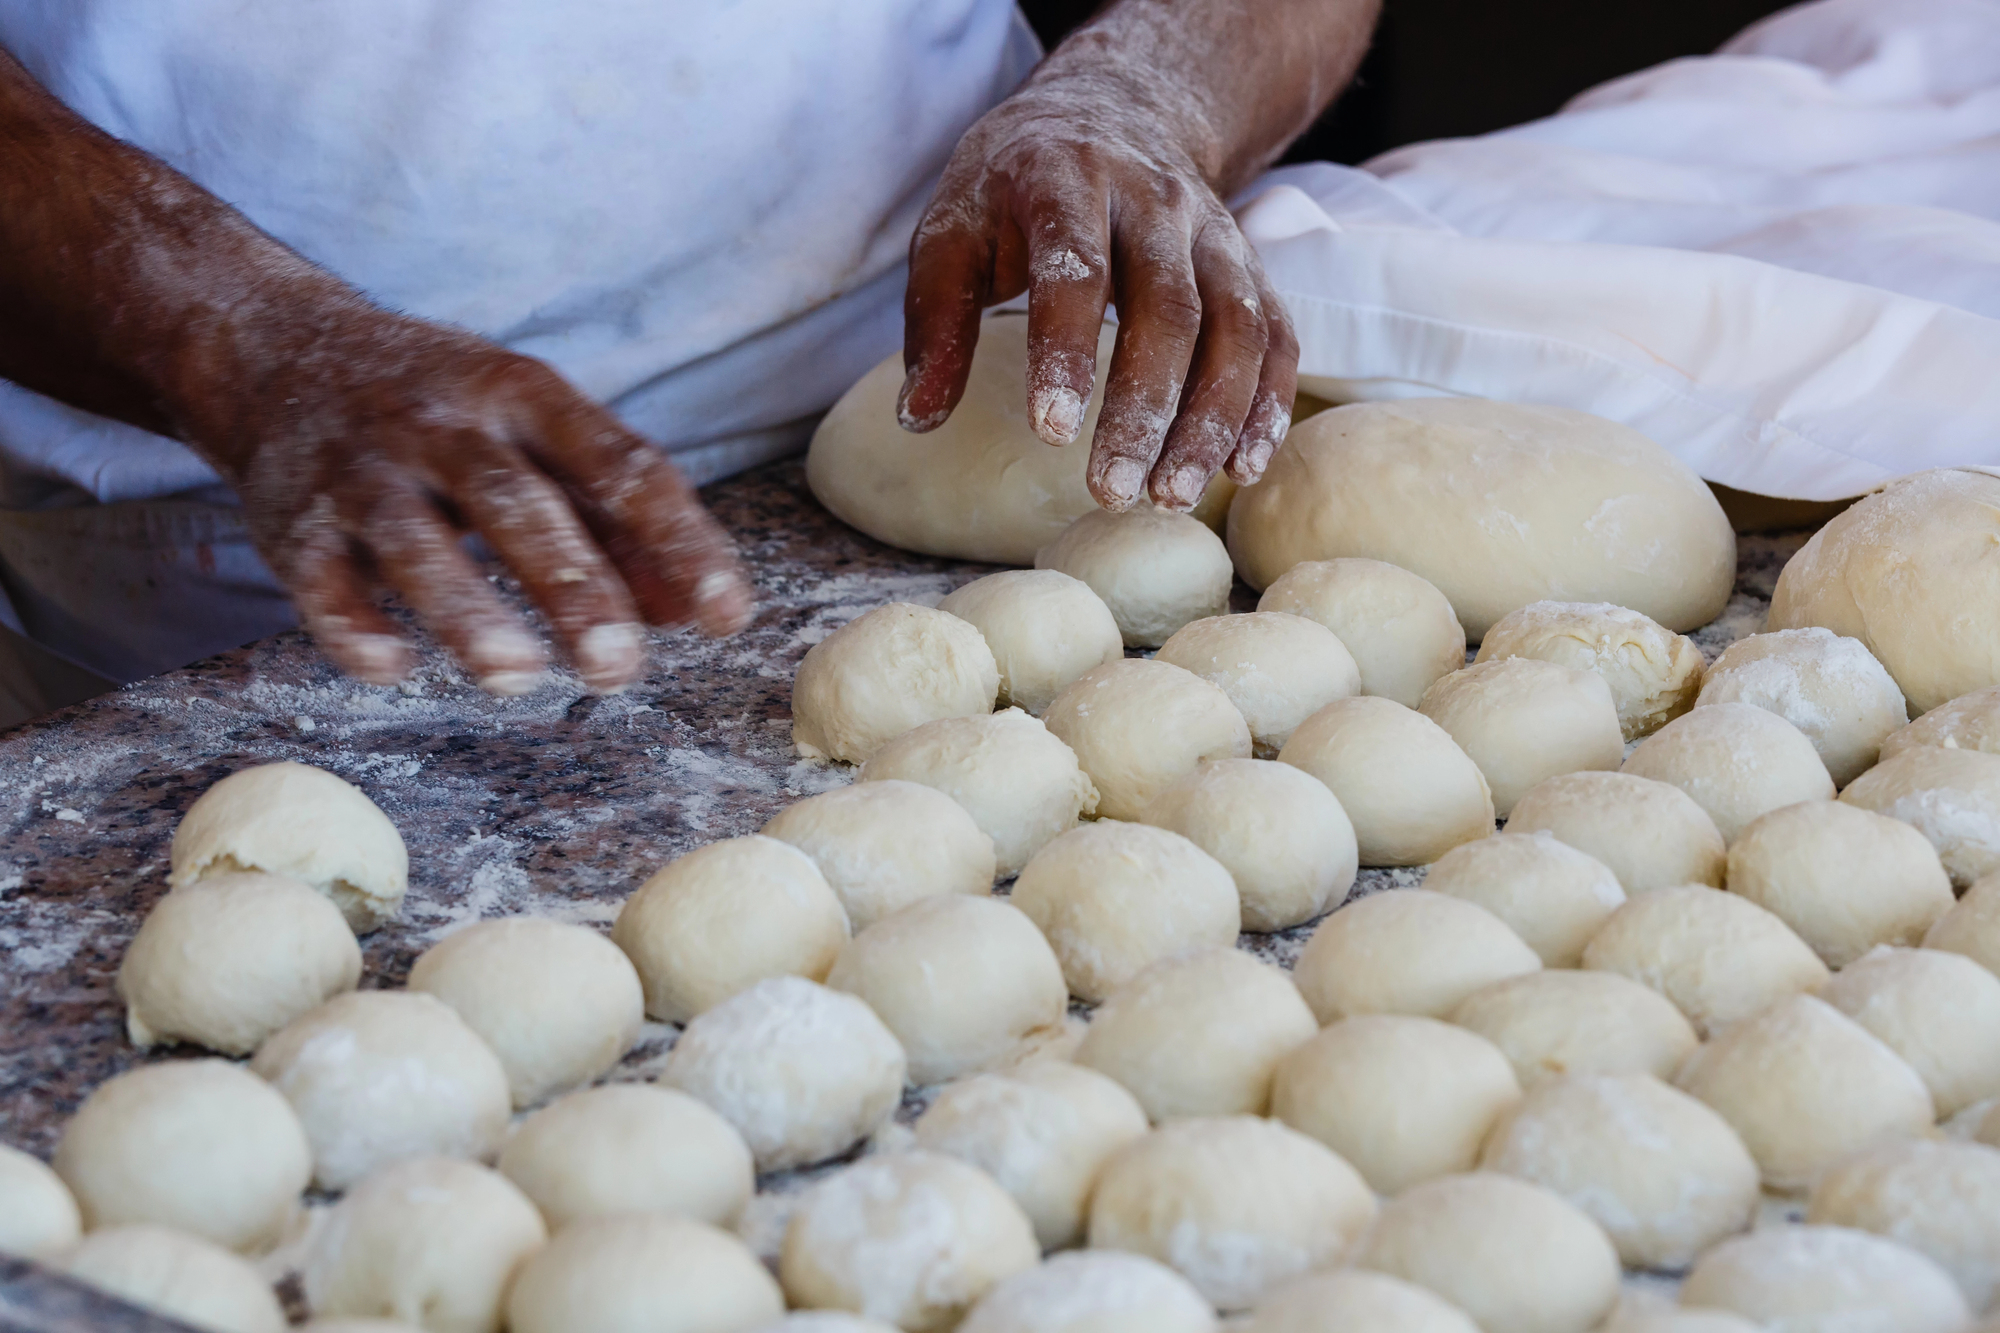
pixel 1654 674
pixel 1969 722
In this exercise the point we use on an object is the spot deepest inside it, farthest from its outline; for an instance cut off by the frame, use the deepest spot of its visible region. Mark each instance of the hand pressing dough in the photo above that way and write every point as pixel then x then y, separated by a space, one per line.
pixel 861 839
pixel 1969 722
pixel 660 1274
pixel 1497 504
pixel 1044 627
pixel 202 1146
pixel 38 1216
pixel 1829 1278
pixel 1406 951
pixel 723 918
pixel 1021 785
pixel 1652 835
pixel 1352 1300
pixel 177 1276
pixel 1550 894
pixel 1400 629
pixel 1941 1199
pixel 227 961
pixel 1138 725
pixel 1737 761
pixel 1277 669
pixel 1951 797
pixel 1829 687
pixel 1553 1023
pixel 1410 792
pixel 1156 570
pixel 1939 1011
pixel 1093 1292
pixel 1653 673
pixel 1972 927
pixel 1523 721
pixel 305 824
pixel 1403 1099
pixel 1235 1204
pixel 899 666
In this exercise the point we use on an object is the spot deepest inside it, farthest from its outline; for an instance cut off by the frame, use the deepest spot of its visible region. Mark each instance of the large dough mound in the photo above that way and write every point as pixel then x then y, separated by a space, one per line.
pixel 1497 504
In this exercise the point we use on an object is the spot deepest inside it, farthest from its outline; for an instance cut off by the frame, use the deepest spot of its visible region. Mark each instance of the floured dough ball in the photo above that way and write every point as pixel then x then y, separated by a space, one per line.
pixel 1410 792
pixel 1665 1176
pixel 1653 673
pixel 1044 627
pixel 1042 1131
pixel 380 1076
pixel 1553 1023
pixel 178 1276
pixel 1156 570
pixel 662 1274
pixel 1497 504
pixel 1803 1085
pixel 1737 761
pixel 1400 629
pixel 803 1072
pixel 1138 725
pixel 1112 897
pixel 1940 1199
pixel 1086 1292
pixel 305 824
pixel 963 982
pixel 914 1239
pixel 1524 720
pixel 1200 1034
pixel 431 1242
pixel 227 961
pixel 1020 784
pixel 723 918
pixel 1829 687
pixel 202 1146
pixel 38 1216
pixel 1951 797
pixel 1403 1099
pixel 1353 1300
pixel 883 845
pixel 1652 834
pixel 1276 829
pixel 1278 669
pixel 629 1148
pixel 1972 927
pixel 1234 1204
pixel 1969 722
pixel 1406 951
pixel 1813 1278
pixel 1718 957
pixel 1550 894
pixel 559 1004
pixel 1515 1257
pixel 1937 1010
pixel 897 667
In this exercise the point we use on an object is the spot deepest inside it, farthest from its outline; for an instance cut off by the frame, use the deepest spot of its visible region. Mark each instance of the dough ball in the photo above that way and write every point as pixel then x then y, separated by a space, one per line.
pixel 1677 1320
pixel 1021 785
pixel 202 1146
pixel 1827 1278
pixel 1403 1099
pixel 431 1241
pixel 1665 1176
pixel 1042 1131
pixel 559 1004
pixel 1829 687
pixel 1550 894
pixel 1972 927
pixel 723 918
pixel 826 1321
pixel 1937 1010
pixel 1803 1085
pixel 964 983
pixel 38 1216
pixel 177 1276
pixel 1523 720
pixel 1718 957
pixel 1951 797
pixel 1156 570
pixel 1112 897
pixel 803 1072
pixel 1653 835
pixel 1044 627
pixel 1907 572
pixel 1406 951
pixel 629 1148
pixel 1515 1257
pixel 914 1239
pixel 1278 669
pixel 227 961
pixel 1653 673
pixel 305 824
pixel 1138 725
pixel 1497 504
pixel 1738 761
pixel 1399 628
pixel 899 666
pixel 1940 1199
pixel 1200 1034
pixel 1234 1204
pixel 1969 722
pixel 380 1076
pixel 883 845
pixel 1353 1300
pixel 660 1274
pixel 1104 1292
pixel 1410 792
pixel 1553 1023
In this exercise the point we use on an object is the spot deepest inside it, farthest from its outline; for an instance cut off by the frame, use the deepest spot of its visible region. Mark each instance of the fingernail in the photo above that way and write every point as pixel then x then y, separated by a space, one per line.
pixel 1123 479
pixel 510 683
pixel 722 602
pixel 379 659
pixel 909 420
pixel 1260 456
pixel 1187 486
pixel 1058 415
pixel 608 656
